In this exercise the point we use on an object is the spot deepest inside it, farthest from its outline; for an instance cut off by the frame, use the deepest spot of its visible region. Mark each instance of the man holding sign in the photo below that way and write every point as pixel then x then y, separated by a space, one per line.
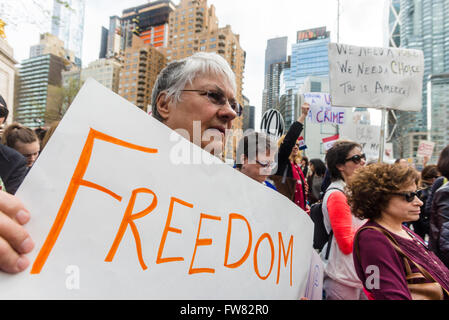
pixel 154 221
pixel 199 88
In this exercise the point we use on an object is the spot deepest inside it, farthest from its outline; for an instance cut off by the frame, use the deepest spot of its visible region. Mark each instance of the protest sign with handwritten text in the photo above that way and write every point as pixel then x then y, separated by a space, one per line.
pixel 321 110
pixel 376 77
pixel 425 148
pixel 367 136
pixel 115 217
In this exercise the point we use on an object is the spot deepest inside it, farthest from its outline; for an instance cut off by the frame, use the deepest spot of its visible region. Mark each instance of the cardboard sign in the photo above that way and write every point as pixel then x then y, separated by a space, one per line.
pixel 376 77
pixel 425 148
pixel 321 110
pixel 116 215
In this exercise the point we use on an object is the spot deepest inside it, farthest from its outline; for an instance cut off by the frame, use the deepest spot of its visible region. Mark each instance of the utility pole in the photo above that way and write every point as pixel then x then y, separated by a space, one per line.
pixel 338 21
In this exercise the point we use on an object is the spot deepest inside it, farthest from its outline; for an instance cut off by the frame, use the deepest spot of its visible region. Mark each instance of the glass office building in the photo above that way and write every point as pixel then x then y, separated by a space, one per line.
pixel 438 114
pixel 309 58
pixel 423 26
pixel 275 61
pixel 68 25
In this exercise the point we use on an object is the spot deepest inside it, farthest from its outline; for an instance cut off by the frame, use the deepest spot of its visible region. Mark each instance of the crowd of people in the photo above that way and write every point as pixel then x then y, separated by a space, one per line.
pixel 388 223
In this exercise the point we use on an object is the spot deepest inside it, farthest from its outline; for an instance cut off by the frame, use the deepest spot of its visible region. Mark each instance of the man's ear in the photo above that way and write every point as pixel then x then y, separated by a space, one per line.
pixel 162 105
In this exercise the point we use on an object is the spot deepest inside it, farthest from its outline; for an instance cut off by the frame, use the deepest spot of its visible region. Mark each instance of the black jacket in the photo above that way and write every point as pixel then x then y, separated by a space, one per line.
pixel 13 168
pixel 286 147
pixel 439 224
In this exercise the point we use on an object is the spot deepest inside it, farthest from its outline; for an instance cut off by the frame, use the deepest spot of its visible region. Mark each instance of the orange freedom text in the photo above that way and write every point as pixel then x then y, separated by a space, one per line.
pixel 284 251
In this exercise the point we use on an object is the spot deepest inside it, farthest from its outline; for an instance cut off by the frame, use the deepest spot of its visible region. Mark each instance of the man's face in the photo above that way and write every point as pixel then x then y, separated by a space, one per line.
pixel 2 120
pixel 211 120
pixel 260 168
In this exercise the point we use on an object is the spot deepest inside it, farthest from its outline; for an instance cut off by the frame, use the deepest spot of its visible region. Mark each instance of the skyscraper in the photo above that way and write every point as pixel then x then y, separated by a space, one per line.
pixel 275 61
pixel 394 24
pixel 68 25
pixel 148 21
pixel 424 27
pixel 39 78
pixel 309 58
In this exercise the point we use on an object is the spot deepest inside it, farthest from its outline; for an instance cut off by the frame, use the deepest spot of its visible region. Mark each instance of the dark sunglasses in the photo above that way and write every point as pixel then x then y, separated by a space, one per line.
pixel 357 158
pixel 218 98
pixel 409 196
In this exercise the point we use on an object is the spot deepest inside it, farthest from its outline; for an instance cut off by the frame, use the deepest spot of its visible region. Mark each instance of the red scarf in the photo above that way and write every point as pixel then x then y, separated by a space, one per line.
pixel 300 188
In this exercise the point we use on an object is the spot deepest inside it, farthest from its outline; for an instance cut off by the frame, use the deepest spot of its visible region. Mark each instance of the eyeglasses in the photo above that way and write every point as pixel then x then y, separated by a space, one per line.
pixel 219 99
pixel 357 158
pixel 409 196
pixel 267 164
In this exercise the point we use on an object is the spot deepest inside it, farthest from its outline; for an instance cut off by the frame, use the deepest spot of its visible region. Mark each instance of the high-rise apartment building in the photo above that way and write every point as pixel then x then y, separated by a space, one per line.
pixel 39 76
pixel 105 71
pixel 309 58
pixel 68 25
pixel 51 44
pixel 141 66
pixel 275 61
pixel 423 26
pixel 8 74
pixel 114 38
pixel 148 21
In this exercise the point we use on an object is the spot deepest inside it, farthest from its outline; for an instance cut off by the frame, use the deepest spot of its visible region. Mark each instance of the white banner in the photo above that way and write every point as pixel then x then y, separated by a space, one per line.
pixel 116 215
pixel 367 136
pixel 376 77
pixel 425 148
pixel 321 110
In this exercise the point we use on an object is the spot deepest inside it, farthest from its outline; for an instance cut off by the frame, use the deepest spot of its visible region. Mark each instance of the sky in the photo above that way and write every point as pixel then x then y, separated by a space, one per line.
pixel 362 23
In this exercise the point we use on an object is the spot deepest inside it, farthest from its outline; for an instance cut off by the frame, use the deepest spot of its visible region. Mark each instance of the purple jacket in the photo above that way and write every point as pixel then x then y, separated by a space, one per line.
pixel 376 251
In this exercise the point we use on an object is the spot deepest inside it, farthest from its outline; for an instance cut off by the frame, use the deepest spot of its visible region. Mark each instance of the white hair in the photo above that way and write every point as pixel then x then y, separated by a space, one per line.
pixel 175 77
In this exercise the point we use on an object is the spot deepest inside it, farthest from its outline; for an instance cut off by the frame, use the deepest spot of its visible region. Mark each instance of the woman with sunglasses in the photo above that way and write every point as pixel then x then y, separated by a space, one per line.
pixel 289 158
pixel 340 280
pixel 389 257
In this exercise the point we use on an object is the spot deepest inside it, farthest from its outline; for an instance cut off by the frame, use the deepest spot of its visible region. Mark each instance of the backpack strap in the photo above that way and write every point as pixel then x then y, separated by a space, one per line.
pixel 331 234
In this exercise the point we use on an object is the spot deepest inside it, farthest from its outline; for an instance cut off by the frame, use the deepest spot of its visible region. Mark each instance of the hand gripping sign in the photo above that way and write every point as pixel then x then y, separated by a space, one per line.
pixel 114 217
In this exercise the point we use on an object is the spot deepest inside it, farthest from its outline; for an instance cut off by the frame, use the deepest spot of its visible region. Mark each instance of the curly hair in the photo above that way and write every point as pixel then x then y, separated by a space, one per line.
pixel 369 190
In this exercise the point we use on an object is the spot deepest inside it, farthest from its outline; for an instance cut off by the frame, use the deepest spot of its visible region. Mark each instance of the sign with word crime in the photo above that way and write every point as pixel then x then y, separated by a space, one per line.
pixel 376 77
pixel 321 110
pixel 116 215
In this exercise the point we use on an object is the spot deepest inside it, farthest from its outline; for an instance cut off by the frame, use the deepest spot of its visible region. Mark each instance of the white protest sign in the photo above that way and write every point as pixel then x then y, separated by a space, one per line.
pixel 376 77
pixel 425 148
pixel 113 216
pixel 367 136
pixel 314 288
pixel 321 110
pixel 328 142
